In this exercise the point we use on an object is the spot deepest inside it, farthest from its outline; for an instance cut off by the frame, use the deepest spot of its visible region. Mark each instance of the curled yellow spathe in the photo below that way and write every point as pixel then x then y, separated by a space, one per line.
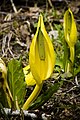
pixel 70 32
pixel 42 56
pixel 70 29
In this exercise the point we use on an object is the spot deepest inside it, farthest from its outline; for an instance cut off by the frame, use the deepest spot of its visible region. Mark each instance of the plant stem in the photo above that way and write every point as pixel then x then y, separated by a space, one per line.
pixel 72 54
pixel 65 59
pixel 71 69
pixel 8 93
pixel 33 96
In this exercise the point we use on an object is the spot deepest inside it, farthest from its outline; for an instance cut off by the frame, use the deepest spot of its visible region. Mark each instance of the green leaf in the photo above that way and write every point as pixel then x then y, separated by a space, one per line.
pixel 45 96
pixel 16 81
pixel 76 71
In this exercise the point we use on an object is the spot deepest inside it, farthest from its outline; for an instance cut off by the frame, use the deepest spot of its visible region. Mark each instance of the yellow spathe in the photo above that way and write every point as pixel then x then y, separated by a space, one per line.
pixel 70 29
pixel 41 59
pixel 70 32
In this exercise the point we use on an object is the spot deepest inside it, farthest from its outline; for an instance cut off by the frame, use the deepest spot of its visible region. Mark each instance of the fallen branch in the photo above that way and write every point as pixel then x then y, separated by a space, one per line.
pixel 14 8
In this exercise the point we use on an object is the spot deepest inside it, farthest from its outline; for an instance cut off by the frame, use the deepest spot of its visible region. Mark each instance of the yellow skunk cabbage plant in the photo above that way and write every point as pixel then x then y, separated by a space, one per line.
pixel 70 32
pixel 41 60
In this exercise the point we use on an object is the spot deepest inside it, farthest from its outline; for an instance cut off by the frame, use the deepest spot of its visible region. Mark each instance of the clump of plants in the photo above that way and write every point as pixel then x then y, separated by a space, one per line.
pixel 42 59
